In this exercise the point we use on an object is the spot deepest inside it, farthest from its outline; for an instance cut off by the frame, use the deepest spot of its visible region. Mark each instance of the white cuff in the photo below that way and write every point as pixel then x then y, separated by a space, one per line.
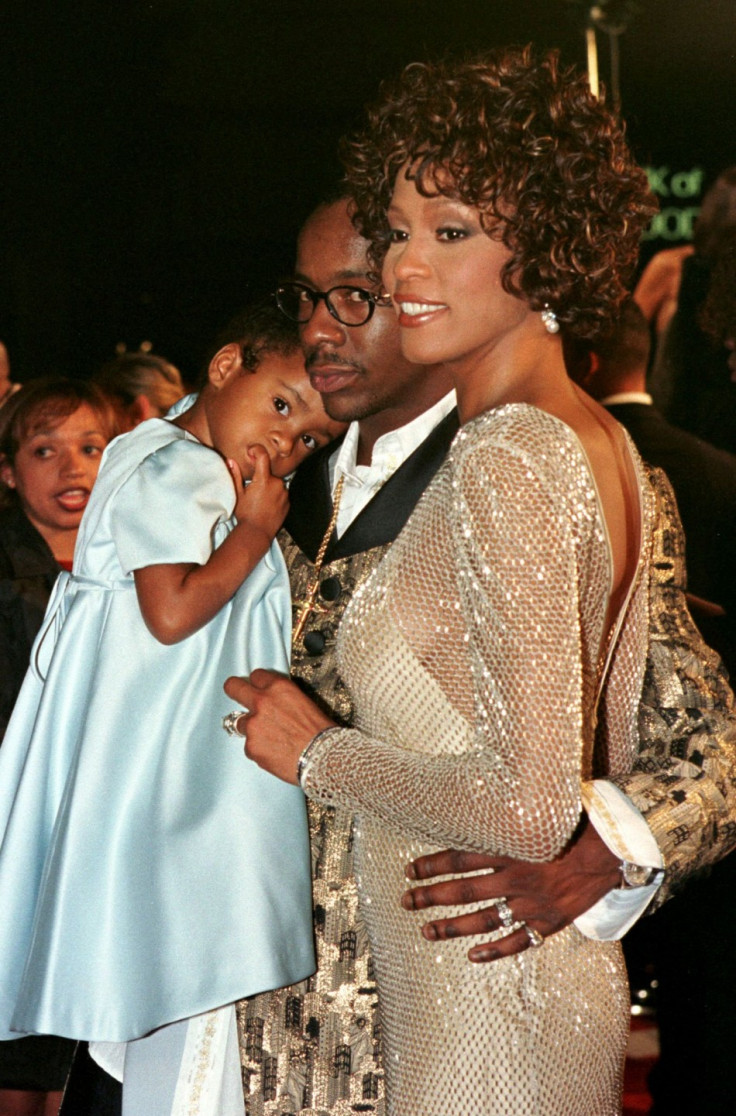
pixel 623 829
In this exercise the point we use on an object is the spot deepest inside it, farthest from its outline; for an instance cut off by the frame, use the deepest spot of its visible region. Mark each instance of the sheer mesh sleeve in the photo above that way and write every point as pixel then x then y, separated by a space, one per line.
pixel 684 778
pixel 504 524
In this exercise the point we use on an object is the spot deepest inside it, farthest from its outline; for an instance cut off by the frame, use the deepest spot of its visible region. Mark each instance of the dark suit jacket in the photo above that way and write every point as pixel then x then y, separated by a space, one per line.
pixel 704 480
pixel 382 519
pixel 690 380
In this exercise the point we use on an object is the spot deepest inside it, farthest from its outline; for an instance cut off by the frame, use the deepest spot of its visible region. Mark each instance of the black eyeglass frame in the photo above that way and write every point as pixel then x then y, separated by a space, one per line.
pixel 371 301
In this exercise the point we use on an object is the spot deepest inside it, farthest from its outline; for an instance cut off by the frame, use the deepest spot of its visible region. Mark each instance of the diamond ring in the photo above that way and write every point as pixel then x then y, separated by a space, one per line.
pixel 230 722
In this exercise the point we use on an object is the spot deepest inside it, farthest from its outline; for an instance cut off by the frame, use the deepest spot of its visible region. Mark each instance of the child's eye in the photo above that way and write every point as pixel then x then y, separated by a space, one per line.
pixel 92 450
pixel 397 236
pixel 281 406
pixel 42 451
pixel 309 441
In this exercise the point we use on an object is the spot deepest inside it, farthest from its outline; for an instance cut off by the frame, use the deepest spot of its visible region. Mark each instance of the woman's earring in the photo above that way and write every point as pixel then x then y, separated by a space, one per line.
pixel 549 318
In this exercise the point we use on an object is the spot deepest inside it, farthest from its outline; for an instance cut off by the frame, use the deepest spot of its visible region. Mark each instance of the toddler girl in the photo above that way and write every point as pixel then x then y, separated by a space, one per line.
pixel 148 871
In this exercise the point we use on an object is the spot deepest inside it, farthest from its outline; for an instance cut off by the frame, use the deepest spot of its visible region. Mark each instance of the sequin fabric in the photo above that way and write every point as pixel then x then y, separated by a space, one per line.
pixel 314 1047
pixel 684 777
pixel 473 657
pixel 295 1043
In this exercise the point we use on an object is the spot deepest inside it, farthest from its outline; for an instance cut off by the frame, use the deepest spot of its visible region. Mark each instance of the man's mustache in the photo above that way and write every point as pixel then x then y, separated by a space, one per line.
pixel 318 357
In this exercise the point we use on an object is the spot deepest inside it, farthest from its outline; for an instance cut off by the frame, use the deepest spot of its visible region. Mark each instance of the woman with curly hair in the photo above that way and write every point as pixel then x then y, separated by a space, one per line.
pixel 496 656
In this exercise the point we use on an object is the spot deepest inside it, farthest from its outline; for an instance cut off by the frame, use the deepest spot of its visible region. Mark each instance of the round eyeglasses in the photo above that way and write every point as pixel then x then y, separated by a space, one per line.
pixel 351 306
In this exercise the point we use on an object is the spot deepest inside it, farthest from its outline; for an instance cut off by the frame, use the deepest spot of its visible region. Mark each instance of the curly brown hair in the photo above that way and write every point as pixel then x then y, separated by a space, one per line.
pixel 526 143
pixel 261 330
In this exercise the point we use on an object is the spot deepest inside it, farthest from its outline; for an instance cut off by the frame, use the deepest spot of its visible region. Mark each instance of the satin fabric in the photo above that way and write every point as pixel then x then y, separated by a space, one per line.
pixel 148 870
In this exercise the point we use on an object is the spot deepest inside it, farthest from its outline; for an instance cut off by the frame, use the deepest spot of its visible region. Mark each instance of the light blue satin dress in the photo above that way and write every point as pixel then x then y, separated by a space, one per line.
pixel 148 870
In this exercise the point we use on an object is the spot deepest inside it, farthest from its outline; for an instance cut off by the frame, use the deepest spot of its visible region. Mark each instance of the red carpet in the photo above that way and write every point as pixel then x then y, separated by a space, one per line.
pixel 641 1056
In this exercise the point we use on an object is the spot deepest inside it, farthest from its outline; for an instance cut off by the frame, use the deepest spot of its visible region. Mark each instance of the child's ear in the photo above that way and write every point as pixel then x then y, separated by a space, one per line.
pixel 227 362
pixel 7 473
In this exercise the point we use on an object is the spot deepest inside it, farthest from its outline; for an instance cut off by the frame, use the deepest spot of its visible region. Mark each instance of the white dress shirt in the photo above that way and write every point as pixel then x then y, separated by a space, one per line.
pixel 627 397
pixel 389 452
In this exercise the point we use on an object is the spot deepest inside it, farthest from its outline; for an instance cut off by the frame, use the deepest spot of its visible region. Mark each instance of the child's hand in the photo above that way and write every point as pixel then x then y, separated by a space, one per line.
pixel 237 475
pixel 263 504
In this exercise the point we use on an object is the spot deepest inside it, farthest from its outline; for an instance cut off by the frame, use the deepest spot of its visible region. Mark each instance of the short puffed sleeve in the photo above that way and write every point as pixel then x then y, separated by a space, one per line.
pixel 170 506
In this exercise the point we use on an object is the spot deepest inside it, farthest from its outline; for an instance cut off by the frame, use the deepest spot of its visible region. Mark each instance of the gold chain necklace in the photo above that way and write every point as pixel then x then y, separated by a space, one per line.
pixel 308 603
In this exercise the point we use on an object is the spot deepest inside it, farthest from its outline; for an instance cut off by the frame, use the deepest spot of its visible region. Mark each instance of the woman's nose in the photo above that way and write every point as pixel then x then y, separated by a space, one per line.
pixel 408 258
pixel 73 464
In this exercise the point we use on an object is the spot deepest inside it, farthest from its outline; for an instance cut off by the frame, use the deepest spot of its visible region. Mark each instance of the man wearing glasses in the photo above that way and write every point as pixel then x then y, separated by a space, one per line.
pixel 316 1046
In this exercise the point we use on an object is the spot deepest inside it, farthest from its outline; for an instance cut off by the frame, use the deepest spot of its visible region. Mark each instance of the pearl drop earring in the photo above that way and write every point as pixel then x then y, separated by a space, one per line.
pixel 549 318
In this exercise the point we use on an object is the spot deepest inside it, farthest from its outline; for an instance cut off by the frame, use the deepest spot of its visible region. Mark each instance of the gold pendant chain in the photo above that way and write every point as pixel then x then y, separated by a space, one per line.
pixel 309 601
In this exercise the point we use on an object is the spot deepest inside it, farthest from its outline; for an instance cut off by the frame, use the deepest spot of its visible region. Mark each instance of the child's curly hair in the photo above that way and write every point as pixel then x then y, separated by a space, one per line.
pixel 527 144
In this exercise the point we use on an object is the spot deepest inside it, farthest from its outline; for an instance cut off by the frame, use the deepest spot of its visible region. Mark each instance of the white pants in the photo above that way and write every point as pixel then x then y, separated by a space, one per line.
pixel 189 1068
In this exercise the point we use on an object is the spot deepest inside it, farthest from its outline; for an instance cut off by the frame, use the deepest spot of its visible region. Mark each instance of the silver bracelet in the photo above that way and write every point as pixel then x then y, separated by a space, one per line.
pixel 304 757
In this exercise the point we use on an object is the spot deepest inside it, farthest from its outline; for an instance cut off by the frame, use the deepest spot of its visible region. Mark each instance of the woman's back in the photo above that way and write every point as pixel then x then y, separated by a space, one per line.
pixel 610 455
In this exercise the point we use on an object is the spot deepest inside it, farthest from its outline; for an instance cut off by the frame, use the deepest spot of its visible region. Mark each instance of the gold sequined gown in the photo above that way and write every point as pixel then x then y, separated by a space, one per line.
pixel 473 655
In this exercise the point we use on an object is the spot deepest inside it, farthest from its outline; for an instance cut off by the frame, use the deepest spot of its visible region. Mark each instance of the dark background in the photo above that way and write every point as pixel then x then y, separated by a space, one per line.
pixel 158 158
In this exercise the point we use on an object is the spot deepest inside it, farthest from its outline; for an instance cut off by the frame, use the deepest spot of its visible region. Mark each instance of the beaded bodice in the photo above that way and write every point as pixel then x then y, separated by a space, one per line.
pixel 473 658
